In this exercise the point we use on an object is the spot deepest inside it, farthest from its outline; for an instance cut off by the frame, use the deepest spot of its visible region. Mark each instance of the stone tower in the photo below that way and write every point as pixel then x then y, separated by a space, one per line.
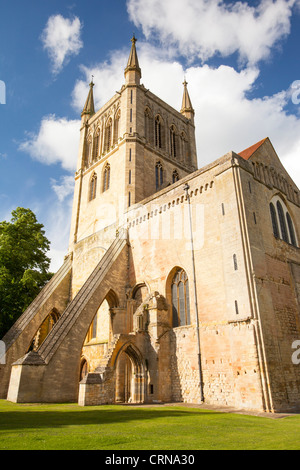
pixel 134 146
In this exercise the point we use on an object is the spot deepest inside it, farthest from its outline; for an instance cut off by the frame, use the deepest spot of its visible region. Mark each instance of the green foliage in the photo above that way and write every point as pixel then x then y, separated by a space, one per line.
pixel 24 266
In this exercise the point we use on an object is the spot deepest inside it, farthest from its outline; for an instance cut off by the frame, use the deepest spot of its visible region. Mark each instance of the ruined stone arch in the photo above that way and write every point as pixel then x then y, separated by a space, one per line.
pixel 44 329
pixel 112 301
pixel 84 368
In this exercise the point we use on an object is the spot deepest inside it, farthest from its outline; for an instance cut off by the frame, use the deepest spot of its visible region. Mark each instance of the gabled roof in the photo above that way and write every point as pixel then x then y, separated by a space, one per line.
pixel 247 153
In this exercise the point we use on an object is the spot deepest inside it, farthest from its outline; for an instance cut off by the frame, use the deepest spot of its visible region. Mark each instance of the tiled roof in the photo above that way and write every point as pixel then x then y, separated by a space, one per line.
pixel 246 154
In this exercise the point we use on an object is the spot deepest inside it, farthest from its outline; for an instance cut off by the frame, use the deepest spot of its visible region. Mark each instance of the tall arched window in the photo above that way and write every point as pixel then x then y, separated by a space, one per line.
pixel 106 178
pixel 291 229
pixel 173 143
pixel 93 187
pixel 159 175
pixel 282 222
pixel 96 145
pixel 159 133
pixel 116 126
pixel 88 151
pixel 274 220
pixel 148 126
pixel 175 176
pixel 107 138
pixel 180 299
pixel 184 147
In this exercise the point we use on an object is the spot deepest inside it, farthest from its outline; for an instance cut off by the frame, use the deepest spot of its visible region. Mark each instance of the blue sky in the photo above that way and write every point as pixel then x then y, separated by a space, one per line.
pixel 241 61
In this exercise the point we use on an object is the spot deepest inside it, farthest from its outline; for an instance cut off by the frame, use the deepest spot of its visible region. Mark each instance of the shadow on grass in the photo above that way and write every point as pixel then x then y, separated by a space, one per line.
pixel 29 418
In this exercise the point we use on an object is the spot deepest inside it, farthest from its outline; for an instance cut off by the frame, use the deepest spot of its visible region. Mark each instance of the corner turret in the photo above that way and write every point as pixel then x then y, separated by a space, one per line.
pixel 133 72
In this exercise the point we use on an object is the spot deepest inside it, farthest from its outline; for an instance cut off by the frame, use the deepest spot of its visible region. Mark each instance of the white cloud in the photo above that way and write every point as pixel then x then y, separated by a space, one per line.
pixel 205 28
pixel 61 40
pixel 64 188
pixel 56 142
pixel 108 78
pixel 226 118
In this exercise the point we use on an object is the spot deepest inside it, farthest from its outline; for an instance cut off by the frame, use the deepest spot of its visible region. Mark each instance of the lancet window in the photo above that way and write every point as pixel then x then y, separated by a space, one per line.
pixel 180 299
pixel 159 175
pixel 159 139
pixel 106 177
pixel 93 187
pixel 108 136
pixel 282 223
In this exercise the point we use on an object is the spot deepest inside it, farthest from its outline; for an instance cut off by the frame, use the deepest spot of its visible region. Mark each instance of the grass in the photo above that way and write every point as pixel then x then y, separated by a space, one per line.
pixel 70 427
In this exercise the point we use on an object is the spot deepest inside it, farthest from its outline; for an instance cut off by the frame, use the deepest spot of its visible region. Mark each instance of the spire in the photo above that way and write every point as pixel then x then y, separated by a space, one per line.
pixel 186 107
pixel 133 72
pixel 89 108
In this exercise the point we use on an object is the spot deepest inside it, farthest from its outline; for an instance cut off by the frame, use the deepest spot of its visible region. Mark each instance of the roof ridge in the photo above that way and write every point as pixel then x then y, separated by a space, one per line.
pixel 248 152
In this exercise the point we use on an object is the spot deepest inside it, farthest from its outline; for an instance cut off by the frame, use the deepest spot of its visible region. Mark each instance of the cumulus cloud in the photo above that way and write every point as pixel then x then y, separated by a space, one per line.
pixel 61 40
pixel 205 28
pixel 56 142
pixel 63 188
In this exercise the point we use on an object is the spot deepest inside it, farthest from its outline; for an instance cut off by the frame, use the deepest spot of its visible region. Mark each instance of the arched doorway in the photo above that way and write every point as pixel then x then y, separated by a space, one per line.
pixel 130 376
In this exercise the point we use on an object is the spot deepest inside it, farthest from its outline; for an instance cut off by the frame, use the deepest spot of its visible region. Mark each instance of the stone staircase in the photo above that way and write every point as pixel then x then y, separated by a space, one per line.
pixel 104 362
pixel 84 295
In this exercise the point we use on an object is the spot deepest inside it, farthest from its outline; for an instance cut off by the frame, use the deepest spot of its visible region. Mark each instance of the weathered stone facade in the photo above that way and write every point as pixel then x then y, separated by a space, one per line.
pixel 180 284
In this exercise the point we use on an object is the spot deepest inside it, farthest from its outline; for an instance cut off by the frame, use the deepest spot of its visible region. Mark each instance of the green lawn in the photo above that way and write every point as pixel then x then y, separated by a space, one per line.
pixel 68 427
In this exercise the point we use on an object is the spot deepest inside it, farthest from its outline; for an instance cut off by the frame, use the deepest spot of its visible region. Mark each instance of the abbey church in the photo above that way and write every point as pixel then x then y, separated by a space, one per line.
pixel 180 284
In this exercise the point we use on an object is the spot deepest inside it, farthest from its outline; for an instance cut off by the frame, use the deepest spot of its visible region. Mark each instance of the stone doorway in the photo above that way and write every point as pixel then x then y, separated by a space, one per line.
pixel 130 377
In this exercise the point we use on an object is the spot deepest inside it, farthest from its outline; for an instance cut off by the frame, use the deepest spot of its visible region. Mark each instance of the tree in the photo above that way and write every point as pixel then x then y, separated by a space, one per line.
pixel 24 266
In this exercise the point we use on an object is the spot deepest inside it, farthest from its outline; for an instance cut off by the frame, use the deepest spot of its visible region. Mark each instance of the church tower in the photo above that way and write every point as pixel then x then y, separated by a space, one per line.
pixel 134 146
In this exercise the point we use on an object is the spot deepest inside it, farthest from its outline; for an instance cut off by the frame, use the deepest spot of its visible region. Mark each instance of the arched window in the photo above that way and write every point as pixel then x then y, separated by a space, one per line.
pixel 274 220
pixel 184 147
pixel 106 178
pixel 173 146
pixel 180 299
pixel 116 126
pixel 159 175
pixel 148 126
pixel 175 176
pixel 96 145
pixel 291 229
pixel 107 138
pixel 83 369
pixel 88 151
pixel 282 222
pixel 159 133
pixel 93 187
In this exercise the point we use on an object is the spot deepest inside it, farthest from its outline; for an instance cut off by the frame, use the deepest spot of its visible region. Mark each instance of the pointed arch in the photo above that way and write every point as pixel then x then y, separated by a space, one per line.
pixel 178 295
pixel 117 125
pixel 159 132
pixel 96 145
pixel 108 135
pixel 159 175
pixel 173 142
pixel 282 222
pixel 148 117
pixel 175 176
pixel 93 187
pixel 106 178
